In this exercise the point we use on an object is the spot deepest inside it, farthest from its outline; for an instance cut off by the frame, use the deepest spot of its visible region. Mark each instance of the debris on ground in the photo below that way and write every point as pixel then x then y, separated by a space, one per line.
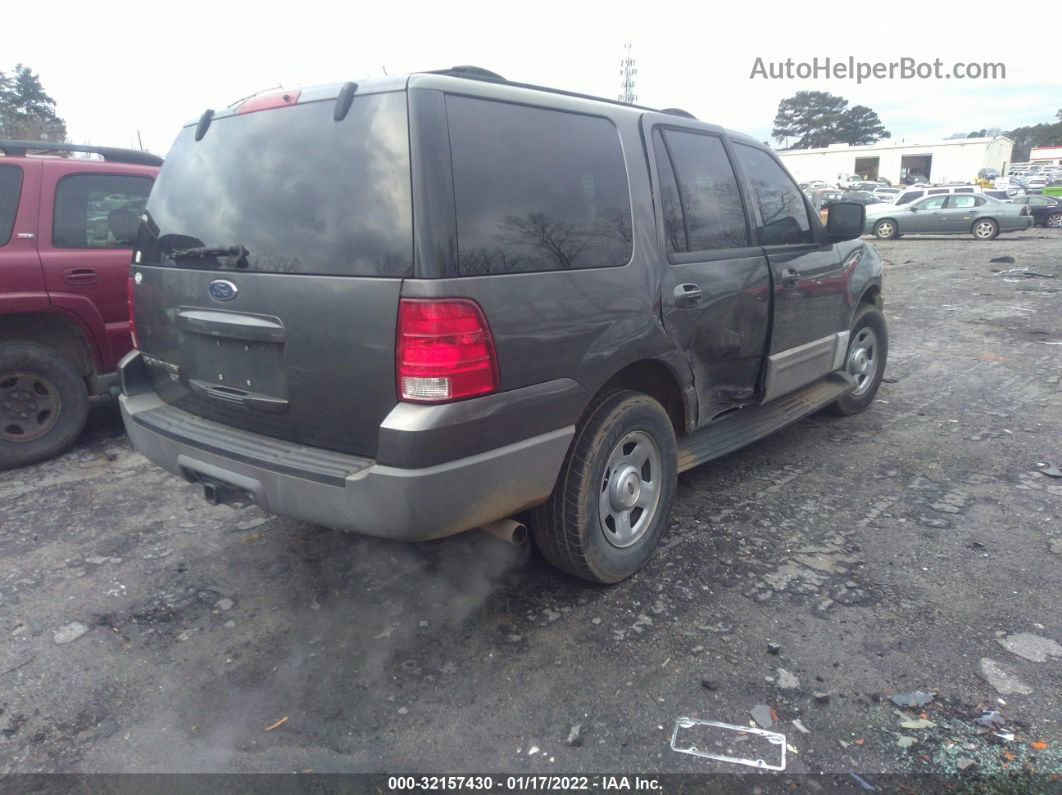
pixel 822 698
pixel 786 680
pixel 761 713
pixel 278 724
pixel 862 782
pixel 709 684
pixel 766 750
pixel 1002 680
pixel 964 762
pixel 1051 471
pixel 904 741
pixel 774 648
pixel 1025 272
pixel 1030 647
pixel 991 719
pixel 68 633
pixel 801 727
pixel 575 736
pixel 1003 260
pixel 920 723
pixel 917 698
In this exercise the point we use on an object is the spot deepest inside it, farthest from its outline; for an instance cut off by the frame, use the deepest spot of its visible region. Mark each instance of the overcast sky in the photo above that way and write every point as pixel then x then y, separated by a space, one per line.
pixel 116 67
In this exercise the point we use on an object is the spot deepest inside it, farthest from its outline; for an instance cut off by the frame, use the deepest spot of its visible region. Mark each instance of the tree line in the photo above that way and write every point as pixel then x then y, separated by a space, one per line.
pixel 26 110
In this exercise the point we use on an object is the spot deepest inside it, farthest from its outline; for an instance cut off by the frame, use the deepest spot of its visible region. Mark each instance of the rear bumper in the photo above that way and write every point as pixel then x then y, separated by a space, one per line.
pixel 348 492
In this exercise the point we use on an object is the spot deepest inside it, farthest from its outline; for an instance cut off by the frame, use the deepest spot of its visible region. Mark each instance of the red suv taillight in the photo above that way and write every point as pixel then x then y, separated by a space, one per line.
pixel 132 315
pixel 444 351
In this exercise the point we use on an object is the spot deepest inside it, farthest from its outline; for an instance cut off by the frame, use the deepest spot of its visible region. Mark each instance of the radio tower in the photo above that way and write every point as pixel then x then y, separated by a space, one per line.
pixel 628 70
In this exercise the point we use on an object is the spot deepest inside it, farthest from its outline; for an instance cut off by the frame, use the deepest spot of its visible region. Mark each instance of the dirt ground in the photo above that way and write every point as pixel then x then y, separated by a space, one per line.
pixel 145 630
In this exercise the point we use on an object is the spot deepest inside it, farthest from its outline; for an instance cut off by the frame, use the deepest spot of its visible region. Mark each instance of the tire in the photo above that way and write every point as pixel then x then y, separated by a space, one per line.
pixel 43 404
pixel 1053 221
pixel 885 229
pixel 869 334
pixel 984 229
pixel 580 529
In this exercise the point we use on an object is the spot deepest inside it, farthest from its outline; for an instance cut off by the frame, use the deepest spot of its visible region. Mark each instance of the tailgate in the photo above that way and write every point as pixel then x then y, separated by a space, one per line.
pixel 268 268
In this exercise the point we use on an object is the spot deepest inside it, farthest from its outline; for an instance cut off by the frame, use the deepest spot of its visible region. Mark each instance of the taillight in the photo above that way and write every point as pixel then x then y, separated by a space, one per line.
pixel 132 315
pixel 444 351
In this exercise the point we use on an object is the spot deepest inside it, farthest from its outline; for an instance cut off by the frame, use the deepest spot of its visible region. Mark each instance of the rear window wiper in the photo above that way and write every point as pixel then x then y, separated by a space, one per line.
pixel 237 255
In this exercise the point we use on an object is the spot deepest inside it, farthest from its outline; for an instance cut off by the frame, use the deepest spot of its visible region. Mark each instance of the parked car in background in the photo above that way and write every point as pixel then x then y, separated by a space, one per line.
pixel 1045 210
pixel 1052 188
pixel 913 194
pixel 887 194
pixel 998 195
pixel 951 214
pixel 1036 185
pixel 821 198
pixel 914 179
pixel 67 226
pixel 486 299
pixel 860 197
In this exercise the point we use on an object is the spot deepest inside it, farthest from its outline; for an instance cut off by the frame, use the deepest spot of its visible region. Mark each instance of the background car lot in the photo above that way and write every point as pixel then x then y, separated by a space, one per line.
pixel 146 630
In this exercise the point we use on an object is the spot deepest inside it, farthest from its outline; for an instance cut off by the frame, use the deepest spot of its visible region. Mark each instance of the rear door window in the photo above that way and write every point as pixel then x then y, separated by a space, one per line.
pixel 908 197
pixel 299 191
pixel 782 210
pixel 962 202
pixel 98 210
pixel 10 189
pixel 712 213
pixel 536 189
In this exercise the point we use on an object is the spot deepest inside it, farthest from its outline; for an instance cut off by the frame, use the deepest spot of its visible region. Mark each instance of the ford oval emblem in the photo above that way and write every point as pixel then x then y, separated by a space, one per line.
pixel 223 290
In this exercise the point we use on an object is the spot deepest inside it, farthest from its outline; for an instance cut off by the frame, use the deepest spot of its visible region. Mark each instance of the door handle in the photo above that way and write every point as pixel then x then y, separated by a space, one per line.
pixel 687 295
pixel 790 277
pixel 80 276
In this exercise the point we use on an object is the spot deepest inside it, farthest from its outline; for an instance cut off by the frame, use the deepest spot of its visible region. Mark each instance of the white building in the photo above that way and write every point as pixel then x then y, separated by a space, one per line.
pixel 955 160
pixel 1046 155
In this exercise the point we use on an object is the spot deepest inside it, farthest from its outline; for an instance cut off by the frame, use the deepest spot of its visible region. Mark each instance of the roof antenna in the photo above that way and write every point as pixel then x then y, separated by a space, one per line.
pixel 204 124
pixel 385 70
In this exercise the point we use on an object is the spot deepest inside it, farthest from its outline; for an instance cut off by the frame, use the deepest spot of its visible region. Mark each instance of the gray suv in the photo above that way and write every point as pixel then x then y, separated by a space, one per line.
pixel 410 307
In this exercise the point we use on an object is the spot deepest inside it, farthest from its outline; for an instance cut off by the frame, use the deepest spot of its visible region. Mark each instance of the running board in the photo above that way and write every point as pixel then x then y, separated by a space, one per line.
pixel 746 425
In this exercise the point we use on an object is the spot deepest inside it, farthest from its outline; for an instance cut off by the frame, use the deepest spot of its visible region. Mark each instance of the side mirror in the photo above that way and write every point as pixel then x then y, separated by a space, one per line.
pixel 845 221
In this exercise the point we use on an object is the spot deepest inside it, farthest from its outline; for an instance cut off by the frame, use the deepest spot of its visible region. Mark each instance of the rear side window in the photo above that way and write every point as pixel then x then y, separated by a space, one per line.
pixel 937 192
pixel 10 188
pixel 784 215
pixel 712 213
pixel 964 190
pixel 908 197
pixel 98 210
pixel 536 189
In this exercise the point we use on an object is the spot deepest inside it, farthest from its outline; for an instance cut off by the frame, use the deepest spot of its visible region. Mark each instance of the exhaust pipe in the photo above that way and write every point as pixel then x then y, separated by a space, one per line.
pixel 509 530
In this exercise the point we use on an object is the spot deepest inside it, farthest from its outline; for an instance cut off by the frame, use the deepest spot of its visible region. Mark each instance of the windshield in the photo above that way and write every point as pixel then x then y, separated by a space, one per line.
pixel 291 188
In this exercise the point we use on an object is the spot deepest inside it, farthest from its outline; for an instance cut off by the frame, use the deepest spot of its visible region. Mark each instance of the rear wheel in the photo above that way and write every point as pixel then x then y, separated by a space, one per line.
pixel 43 404
pixel 1053 221
pixel 868 351
pixel 885 229
pixel 612 501
pixel 985 229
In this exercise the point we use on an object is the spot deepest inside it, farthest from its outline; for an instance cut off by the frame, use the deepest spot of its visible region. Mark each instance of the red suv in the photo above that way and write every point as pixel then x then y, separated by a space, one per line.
pixel 67 226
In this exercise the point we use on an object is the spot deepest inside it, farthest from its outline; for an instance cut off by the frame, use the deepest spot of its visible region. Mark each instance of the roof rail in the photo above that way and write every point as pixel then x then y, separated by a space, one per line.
pixel 679 112
pixel 109 153
pixel 471 72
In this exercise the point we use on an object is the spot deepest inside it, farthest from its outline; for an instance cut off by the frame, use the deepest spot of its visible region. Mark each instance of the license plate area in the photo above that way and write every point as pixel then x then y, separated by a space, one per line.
pixel 245 366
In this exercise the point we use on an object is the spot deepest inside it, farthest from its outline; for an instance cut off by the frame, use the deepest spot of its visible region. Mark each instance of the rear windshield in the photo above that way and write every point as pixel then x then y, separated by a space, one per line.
pixel 298 191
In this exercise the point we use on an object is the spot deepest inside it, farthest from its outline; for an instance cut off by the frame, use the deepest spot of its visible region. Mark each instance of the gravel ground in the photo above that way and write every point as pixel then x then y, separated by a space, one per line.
pixel 914 547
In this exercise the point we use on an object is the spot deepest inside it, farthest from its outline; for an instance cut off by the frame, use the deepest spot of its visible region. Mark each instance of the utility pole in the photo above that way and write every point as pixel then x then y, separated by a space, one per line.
pixel 628 70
